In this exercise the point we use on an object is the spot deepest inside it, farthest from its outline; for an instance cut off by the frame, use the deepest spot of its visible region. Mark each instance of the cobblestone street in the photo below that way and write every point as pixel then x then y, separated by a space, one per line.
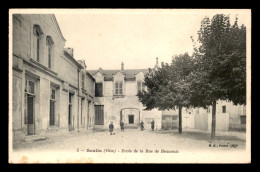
pixel 190 141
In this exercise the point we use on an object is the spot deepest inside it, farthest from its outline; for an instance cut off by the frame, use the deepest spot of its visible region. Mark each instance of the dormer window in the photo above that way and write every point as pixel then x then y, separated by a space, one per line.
pixel 118 88
pixel 140 86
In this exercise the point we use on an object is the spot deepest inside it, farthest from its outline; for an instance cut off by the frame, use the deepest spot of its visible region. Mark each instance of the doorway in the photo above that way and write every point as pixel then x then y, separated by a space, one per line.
pixel 30 115
pixel 70 119
pixel 131 119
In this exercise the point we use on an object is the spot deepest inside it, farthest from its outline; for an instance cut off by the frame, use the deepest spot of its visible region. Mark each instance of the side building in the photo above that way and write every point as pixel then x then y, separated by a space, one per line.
pixel 46 91
pixel 229 117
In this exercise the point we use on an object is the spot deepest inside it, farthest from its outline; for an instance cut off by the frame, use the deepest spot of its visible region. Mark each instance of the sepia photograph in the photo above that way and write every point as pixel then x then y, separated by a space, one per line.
pixel 131 86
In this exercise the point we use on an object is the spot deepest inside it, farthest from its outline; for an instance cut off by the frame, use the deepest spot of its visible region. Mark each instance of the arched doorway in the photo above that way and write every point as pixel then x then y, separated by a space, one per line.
pixel 130 117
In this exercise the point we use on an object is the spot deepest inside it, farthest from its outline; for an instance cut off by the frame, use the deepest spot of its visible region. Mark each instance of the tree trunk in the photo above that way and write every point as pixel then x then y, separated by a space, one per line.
pixel 180 120
pixel 213 124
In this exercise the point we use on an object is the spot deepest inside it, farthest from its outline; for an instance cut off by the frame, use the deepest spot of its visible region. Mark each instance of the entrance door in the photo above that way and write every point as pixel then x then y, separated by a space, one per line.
pixel 99 114
pixel 52 108
pixel 30 108
pixel 70 118
pixel 131 119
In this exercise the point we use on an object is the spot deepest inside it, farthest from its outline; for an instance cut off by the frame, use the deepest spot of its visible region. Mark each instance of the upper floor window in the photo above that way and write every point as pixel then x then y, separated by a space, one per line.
pixel 98 89
pixel 83 80
pixel 36 42
pixel 29 86
pixel 140 86
pixel 49 43
pixel 119 88
pixel 52 94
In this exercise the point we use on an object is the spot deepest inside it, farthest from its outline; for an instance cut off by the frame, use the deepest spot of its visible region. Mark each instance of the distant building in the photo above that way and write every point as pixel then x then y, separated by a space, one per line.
pixel 116 98
pixel 229 117
pixel 51 90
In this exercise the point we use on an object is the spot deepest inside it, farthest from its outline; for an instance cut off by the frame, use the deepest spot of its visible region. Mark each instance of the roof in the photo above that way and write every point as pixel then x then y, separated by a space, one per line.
pixel 72 59
pixel 129 73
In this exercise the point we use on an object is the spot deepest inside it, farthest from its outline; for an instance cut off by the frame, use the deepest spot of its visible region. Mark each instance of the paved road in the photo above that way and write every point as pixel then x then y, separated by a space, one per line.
pixel 188 141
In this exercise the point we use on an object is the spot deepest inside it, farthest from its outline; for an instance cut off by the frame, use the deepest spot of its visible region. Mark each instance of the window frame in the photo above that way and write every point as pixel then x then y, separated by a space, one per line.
pixel 37 33
pixel 97 94
pixel 49 43
pixel 118 90
pixel 83 81
pixel 140 86
pixel 27 87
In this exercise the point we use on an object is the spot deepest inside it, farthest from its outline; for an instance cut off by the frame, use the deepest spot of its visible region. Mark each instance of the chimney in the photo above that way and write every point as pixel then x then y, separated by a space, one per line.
pixel 122 66
pixel 70 51
pixel 162 64
pixel 156 66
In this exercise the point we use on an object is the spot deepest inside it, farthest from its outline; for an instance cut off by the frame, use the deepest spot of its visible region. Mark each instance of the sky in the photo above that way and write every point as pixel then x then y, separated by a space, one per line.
pixel 105 38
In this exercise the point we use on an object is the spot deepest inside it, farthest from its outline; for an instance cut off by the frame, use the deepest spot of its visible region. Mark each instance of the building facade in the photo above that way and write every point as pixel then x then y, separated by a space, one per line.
pixel 47 92
pixel 116 98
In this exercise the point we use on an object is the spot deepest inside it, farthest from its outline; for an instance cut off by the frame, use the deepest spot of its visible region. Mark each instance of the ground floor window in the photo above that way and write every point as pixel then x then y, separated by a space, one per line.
pixel 243 119
pixel 99 114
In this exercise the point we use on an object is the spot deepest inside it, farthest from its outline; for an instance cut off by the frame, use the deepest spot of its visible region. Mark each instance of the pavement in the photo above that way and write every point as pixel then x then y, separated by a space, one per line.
pixel 188 141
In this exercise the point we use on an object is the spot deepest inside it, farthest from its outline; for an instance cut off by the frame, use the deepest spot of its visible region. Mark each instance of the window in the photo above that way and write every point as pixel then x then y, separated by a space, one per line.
pixel 98 89
pixel 29 86
pixel 53 94
pixel 81 113
pixel 119 88
pixel 49 43
pixel 140 86
pixel 223 109
pixel 243 119
pixel 82 80
pixel 37 34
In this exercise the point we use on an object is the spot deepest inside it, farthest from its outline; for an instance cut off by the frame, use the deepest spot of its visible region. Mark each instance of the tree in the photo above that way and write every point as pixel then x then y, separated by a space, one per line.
pixel 219 65
pixel 167 86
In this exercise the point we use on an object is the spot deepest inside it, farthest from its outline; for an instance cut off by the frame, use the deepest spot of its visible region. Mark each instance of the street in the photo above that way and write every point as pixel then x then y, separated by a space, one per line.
pixel 163 140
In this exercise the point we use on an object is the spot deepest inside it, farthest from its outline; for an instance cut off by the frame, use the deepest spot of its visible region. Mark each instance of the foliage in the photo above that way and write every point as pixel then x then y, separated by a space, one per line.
pixel 167 86
pixel 220 62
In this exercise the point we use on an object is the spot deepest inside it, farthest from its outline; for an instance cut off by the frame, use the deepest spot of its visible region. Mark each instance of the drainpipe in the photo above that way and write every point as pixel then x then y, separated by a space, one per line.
pixel 78 104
